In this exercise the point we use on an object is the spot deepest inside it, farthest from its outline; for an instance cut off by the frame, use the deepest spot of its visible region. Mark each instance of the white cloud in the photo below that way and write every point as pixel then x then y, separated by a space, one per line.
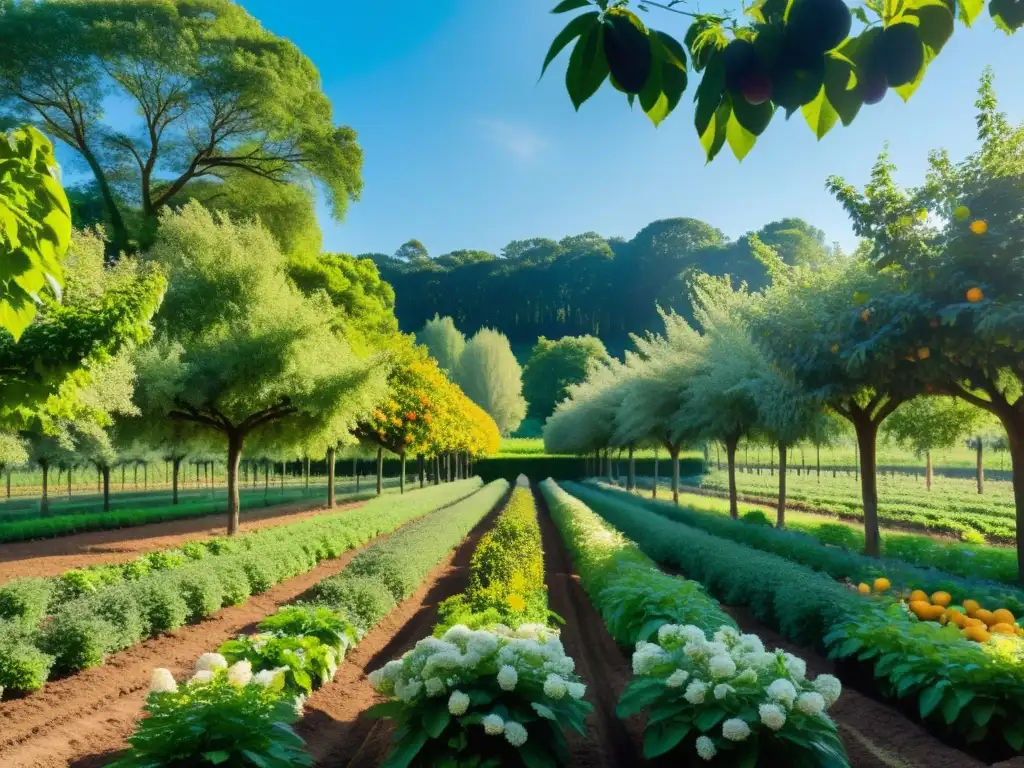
pixel 517 140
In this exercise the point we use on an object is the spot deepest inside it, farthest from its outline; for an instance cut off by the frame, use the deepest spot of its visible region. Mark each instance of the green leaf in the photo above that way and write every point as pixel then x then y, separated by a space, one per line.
pixel 929 700
pixel 969 10
pixel 569 5
pixel 741 141
pixel 587 66
pixel 660 738
pixel 754 117
pixel 535 755
pixel 673 70
pixel 982 712
pixel 405 750
pixel 709 718
pixel 1014 736
pixel 575 28
pixel 709 94
pixel 385 709
pixel 627 47
pixel 820 115
pixel 217 756
pixel 436 719
pixel 653 102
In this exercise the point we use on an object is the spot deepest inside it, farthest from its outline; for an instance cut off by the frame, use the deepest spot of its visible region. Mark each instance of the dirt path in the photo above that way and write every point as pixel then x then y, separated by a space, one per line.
pixel 335 734
pixel 82 720
pixel 51 557
pixel 599 662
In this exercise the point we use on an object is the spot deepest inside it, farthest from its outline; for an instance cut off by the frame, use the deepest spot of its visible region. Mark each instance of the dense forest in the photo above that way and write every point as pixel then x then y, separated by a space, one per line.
pixel 584 284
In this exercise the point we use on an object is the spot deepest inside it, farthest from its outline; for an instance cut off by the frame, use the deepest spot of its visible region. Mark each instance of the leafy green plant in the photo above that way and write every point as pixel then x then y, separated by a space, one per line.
pixel 120 607
pixel 163 607
pixel 731 696
pixel 307 662
pixel 25 600
pixel 77 638
pixel 327 626
pixel 363 599
pixel 219 721
pixel 202 592
pixel 756 517
pixel 23 667
pixel 484 697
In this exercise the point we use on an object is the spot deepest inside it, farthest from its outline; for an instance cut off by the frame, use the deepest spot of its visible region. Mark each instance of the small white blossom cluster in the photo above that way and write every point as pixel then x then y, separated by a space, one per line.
pixel 208 666
pixel 768 688
pixel 463 658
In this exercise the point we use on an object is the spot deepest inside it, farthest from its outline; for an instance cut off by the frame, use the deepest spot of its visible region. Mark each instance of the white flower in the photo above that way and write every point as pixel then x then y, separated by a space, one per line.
pixel 811 703
pixel 762 660
pixel 694 648
pixel 435 686
pixel 726 635
pixel 482 644
pixel 722 666
pixel 515 734
pixel 646 656
pixel 162 681
pixel 555 687
pixel 693 634
pixel 408 690
pixel 669 632
pixel 735 729
pixel 722 690
pixel 202 677
pixel 677 678
pixel 240 672
pixel 695 692
pixel 796 667
pixel 772 715
pixel 829 687
pixel 459 634
pixel 392 670
pixel 493 725
pixel 266 677
pixel 576 690
pixel 458 703
pixel 211 661
pixel 376 678
pixel 507 678
pixel 751 644
pixel 300 703
pixel 782 690
pixel 706 748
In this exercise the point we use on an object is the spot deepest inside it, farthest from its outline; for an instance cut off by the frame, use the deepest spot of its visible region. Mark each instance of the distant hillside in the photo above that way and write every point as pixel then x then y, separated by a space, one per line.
pixel 582 284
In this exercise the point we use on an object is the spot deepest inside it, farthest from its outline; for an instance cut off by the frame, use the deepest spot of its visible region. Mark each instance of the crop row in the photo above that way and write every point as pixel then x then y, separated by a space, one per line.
pixel 836 562
pixel 60 626
pixel 702 683
pixel 919 661
pixel 239 706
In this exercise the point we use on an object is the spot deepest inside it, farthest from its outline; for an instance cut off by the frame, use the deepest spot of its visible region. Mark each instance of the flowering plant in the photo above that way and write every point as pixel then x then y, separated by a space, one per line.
pixel 482 697
pixel 326 625
pixel 222 716
pixel 729 695
pixel 307 663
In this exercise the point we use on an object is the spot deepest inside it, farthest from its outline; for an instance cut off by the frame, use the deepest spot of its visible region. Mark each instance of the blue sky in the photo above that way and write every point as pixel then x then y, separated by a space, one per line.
pixel 465 149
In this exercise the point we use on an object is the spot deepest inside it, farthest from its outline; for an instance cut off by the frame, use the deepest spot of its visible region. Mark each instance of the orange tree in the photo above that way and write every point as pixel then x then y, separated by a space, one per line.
pixel 782 55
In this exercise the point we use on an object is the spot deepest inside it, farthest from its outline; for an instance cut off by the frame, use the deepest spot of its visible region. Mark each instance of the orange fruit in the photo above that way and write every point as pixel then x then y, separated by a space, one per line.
pixel 865 315
pixel 882 584
pixel 956 618
pixel 1003 629
pixel 864 589
pixel 919 595
pixel 971 607
pixel 975 294
pixel 979 226
pixel 923 610
pixel 977 634
pixel 1003 616
pixel 972 622
pixel 985 616
pixel 942 598
pixel 924 353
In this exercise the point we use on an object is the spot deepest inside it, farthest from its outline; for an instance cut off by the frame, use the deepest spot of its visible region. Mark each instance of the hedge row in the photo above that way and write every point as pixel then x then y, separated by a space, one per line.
pixel 112 617
pixel 915 660
pixel 837 562
pixel 629 591
pixel 382 576
pixel 570 467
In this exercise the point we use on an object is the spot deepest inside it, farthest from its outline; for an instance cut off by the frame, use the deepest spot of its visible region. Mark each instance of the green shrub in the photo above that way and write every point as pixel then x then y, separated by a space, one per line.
pixel 77 638
pixel 328 626
pixel 972 537
pixel 25 600
pixel 837 534
pixel 165 560
pixel 364 600
pixel 756 517
pixel 134 570
pixel 23 667
pixel 262 574
pixel 202 592
pixel 74 584
pixel 163 607
pixel 309 663
pixel 194 550
pixel 222 546
pixel 119 606
pixel 233 581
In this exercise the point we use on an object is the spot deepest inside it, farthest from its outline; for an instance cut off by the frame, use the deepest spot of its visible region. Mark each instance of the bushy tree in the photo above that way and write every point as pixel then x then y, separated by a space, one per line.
pixel 553 366
pixel 490 376
pixel 927 424
pixel 444 342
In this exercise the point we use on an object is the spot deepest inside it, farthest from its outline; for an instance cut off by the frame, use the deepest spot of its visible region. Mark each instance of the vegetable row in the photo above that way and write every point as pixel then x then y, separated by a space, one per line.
pixel 55 627
pixel 238 707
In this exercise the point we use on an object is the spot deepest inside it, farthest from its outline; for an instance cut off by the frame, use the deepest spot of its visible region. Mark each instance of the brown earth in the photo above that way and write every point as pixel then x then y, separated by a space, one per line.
pixel 84 719
pixel 51 557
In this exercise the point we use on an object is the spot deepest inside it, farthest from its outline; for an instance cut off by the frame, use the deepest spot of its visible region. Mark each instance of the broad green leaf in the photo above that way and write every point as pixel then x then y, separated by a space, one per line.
pixel 929 700
pixel 660 738
pixel 820 115
pixel 841 88
pixel 1014 736
pixel 572 30
pixel 741 141
pixel 714 137
pixel 753 117
pixel 673 72
pixel 709 718
pixel 436 719
pixel 709 94
pixel 385 709
pixel 405 750
pixel 587 66
pixel 969 10
pixel 652 101
pixel 569 5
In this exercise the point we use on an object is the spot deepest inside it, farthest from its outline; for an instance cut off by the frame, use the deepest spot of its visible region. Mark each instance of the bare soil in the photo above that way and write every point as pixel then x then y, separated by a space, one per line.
pixel 84 720
pixel 51 557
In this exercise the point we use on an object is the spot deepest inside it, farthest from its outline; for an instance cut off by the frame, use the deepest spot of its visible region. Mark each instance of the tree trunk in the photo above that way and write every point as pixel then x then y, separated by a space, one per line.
pixel 305 469
pixel 69 483
pixel 330 478
pixel 122 476
pixel 674 453
pixel 928 470
pixel 817 449
pixel 266 479
pixel 106 488
pixel 631 476
pixel 401 474
pixel 780 513
pixel 8 482
pixel 44 503
pixel 981 465
pixel 867 438
pixel 730 458
pixel 145 476
pixel 600 465
pixel 437 470
pixel 175 469
pixel 419 459
pixel 654 489
pixel 856 461
pixel 771 458
pixel 380 470
pixel 235 442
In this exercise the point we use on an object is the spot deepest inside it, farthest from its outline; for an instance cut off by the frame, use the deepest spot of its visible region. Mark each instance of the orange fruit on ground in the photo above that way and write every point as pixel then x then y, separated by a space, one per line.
pixel 972 622
pixel 923 610
pixel 975 294
pixel 979 226
pixel 924 353
pixel 1003 629
pixel 942 598
pixel 977 634
pixel 1003 616
pixel 985 616
pixel 957 618
pixel 919 595
pixel 971 606
pixel 882 584
pixel 864 589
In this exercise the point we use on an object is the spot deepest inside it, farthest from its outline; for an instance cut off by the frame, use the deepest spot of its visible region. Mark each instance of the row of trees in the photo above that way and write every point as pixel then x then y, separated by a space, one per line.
pixel 931 307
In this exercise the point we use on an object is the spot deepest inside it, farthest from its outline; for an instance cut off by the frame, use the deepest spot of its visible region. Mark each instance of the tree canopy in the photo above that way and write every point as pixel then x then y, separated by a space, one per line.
pixel 553 366
pixel 444 341
pixel 491 377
